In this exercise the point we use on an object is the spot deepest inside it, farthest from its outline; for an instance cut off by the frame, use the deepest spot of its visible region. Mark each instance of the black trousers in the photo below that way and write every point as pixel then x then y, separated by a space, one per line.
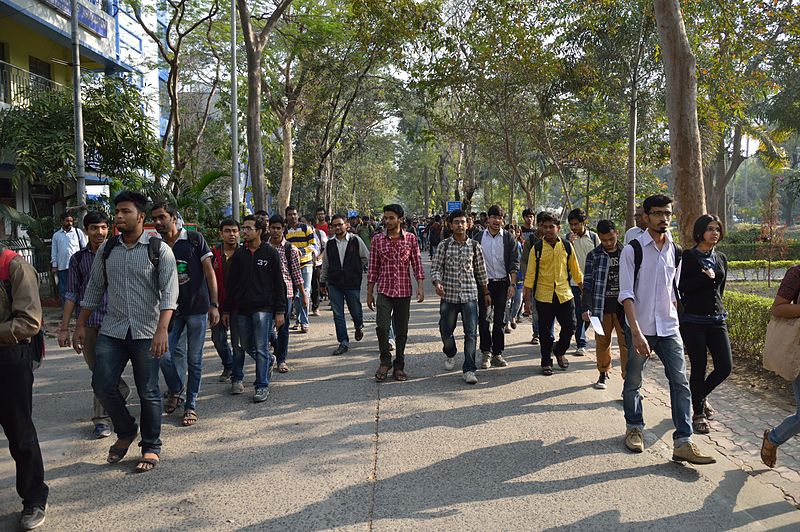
pixel 315 287
pixel 16 405
pixel 698 340
pixel 494 339
pixel 548 313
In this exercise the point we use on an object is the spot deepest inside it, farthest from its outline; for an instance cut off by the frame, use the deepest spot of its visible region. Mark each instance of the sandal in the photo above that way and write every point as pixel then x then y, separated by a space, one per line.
pixel 172 402
pixel 283 367
pixel 381 374
pixel 547 371
pixel 116 454
pixel 146 464
pixel 769 451
pixel 400 375
pixel 708 411
pixel 700 424
pixel 189 418
pixel 563 363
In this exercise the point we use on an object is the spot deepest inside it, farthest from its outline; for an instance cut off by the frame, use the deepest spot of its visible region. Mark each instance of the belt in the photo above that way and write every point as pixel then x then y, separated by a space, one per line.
pixel 498 280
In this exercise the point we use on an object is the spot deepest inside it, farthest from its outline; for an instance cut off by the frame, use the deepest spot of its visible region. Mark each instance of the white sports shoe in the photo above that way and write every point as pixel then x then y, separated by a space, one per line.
pixel 470 378
pixel 449 363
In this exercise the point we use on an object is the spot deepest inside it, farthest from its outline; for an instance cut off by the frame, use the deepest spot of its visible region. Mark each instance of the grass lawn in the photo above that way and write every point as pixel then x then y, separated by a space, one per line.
pixel 758 288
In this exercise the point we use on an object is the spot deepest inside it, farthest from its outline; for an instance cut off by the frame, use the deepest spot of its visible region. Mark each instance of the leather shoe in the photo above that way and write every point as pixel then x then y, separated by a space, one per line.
pixel 359 334
pixel 342 349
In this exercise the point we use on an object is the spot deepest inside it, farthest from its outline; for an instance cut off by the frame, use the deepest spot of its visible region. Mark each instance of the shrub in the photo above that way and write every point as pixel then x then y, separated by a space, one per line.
pixel 748 316
pixel 761 250
pixel 757 269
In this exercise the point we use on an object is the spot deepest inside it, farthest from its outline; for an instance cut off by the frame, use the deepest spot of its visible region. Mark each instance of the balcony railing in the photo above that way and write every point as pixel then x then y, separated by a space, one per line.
pixel 18 85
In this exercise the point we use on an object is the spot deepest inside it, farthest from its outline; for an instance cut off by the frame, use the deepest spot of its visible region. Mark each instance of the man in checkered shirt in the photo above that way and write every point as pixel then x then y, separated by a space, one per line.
pixel 459 274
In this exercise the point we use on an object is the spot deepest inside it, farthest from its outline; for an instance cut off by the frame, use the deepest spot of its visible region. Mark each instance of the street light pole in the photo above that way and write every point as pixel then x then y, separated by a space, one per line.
pixel 80 165
pixel 234 121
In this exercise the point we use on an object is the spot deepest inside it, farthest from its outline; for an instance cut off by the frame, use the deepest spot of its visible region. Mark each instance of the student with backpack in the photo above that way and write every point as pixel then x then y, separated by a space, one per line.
pixel 140 275
pixel 647 271
pixel 229 230
pixel 583 242
pixel 547 281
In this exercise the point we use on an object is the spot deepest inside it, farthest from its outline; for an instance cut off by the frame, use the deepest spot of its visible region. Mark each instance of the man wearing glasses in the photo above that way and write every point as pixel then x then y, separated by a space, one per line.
pixel 647 271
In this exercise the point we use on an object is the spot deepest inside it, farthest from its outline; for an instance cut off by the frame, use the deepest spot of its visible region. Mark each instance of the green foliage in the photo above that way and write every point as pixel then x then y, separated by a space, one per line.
pixel 761 250
pixel 748 316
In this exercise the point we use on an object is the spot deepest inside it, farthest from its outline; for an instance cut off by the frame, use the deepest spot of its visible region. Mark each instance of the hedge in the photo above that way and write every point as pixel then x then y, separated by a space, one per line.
pixel 748 270
pixel 759 250
pixel 748 316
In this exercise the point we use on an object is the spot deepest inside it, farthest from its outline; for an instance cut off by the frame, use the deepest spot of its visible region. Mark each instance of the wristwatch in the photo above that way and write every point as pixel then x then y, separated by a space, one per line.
pixel 215 305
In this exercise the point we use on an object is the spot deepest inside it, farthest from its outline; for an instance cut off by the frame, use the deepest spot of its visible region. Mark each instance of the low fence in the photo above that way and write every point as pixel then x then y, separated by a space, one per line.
pixel 38 258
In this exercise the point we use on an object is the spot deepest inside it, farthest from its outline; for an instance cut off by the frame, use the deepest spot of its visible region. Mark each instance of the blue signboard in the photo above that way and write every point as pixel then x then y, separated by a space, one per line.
pixel 453 205
pixel 87 18
pixel 352 214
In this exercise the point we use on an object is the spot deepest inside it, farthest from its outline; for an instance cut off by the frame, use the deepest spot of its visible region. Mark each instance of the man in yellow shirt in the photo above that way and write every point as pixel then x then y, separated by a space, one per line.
pixel 548 275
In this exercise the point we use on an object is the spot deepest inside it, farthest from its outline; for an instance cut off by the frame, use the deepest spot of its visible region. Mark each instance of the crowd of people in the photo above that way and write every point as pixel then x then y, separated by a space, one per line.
pixel 147 300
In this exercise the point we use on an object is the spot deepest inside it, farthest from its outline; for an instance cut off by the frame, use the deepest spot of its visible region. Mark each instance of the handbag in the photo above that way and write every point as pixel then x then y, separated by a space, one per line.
pixel 781 353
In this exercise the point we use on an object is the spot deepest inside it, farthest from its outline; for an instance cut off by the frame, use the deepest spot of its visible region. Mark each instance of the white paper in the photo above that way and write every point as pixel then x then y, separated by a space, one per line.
pixel 597 325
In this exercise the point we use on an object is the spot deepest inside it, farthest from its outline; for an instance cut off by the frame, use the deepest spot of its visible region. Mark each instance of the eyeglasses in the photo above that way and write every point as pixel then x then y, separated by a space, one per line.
pixel 247 228
pixel 661 214
pixel 337 225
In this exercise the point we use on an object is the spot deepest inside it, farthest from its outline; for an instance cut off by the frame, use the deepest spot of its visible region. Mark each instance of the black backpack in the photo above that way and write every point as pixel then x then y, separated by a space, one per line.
pixel 537 251
pixel 153 248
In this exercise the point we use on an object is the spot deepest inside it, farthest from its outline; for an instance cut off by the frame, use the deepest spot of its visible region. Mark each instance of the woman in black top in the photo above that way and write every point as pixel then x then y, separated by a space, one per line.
pixel 703 327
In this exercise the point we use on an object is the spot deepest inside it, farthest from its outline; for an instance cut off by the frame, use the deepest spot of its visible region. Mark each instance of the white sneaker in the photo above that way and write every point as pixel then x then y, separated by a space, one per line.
pixel 470 378
pixel 449 363
pixel 581 351
pixel 392 344
pixel 486 363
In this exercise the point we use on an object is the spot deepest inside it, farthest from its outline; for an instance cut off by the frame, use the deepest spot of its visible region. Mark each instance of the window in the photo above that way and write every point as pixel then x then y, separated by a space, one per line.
pixel 5 76
pixel 40 74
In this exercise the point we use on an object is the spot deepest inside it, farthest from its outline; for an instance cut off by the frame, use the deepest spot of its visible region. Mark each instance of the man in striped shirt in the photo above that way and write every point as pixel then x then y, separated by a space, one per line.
pixel 302 237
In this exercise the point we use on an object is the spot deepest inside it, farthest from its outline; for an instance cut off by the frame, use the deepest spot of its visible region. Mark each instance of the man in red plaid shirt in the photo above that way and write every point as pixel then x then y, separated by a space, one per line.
pixel 391 253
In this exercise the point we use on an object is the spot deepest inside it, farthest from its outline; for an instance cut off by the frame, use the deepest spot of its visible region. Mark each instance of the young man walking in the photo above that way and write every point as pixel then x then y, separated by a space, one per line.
pixel 140 277
pixel 67 241
pixel 230 231
pixel 549 265
pixel 80 269
pixel 392 252
pixel 255 296
pixel 647 271
pixel 637 230
pixel 583 241
pixel 292 278
pixel 302 237
pixel 459 274
pixel 198 306
pixel 20 322
pixel 600 298
pixel 346 257
pixel 502 263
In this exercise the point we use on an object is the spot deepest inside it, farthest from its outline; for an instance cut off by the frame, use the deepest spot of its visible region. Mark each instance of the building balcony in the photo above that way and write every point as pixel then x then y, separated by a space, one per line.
pixel 17 85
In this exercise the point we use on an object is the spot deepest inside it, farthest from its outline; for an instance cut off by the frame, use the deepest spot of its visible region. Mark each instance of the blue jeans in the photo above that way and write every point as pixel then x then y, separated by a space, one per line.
pixel 670 350
pixel 280 338
pixel 789 426
pixel 448 316
pixel 63 276
pixel 195 326
pixel 302 311
pixel 513 305
pixel 338 297
pixel 253 332
pixel 219 336
pixel 580 325
pixel 113 355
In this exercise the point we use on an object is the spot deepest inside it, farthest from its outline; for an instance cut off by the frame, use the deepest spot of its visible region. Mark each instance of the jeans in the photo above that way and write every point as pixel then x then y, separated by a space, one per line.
pixel 698 339
pixel 63 276
pixel 338 297
pixel 580 325
pixel 315 287
pixel 219 336
pixel 16 405
pixel 392 312
pixel 253 331
pixel 432 248
pixel 448 315
pixel 513 306
pixel 195 325
pixel 99 415
pixel 548 313
pixel 493 340
pixel 279 339
pixel 670 350
pixel 300 309
pixel 789 426
pixel 113 355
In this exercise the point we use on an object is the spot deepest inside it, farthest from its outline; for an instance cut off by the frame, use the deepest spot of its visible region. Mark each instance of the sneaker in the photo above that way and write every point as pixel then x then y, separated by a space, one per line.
pixel 581 351
pixel 304 329
pixel 449 363
pixel 225 376
pixel 688 452
pixel 315 312
pixel 261 395
pixel 601 382
pixel 237 388
pixel 499 362
pixel 486 363
pixel 470 378
pixel 392 344
pixel 295 326
pixel 32 517
pixel 101 430
pixel 634 440
pixel 535 340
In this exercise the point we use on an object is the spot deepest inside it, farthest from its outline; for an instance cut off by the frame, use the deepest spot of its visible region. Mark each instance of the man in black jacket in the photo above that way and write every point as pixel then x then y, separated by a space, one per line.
pixel 502 264
pixel 346 257
pixel 256 294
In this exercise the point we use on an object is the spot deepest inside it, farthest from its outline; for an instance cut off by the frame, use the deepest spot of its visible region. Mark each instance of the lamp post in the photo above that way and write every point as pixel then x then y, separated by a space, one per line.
pixel 234 121
pixel 80 165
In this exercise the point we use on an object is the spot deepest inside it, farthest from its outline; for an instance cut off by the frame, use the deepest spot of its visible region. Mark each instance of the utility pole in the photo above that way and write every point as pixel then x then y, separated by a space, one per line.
pixel 234 121
pixel 80 165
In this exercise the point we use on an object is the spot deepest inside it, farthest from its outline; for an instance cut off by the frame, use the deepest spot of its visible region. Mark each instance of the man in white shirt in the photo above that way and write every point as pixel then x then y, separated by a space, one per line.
pixel 637 230
pixel 66 242
pixel 647 292
pixel 583 242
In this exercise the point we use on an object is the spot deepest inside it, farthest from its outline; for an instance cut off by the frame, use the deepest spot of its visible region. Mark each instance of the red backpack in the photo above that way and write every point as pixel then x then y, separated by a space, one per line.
pixel 37 340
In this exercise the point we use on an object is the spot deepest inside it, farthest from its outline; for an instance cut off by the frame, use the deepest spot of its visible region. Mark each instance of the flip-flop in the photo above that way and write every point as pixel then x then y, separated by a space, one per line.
pixel 189 418
pixel 381 374
pixel 563 363
pixel 283 367
pixel 400 375
pixel 172 402
pixel 116 454
pixel 769 452
pixel 547 371
pixel 146 461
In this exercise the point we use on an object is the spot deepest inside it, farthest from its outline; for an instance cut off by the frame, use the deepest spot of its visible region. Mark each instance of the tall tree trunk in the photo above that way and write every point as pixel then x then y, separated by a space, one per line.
pixel 470 181
pixel 633 126
pixel 444 184
pixel 425 186
pixel 285 191
pixel 684 134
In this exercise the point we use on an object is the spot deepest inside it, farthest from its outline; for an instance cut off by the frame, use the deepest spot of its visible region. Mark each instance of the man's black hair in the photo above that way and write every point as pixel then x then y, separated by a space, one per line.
pixel 437 218
pixel 230 221
pixel 67 214
pixel 171 210
pixel 262 212
pixel 395 208
pixel 606 226
pixel 577 214
pixel 319 209
pixel 138 199
pixel 541 216
pixel 290 208
pixel 339 215
pixel 277 219
pixel 527 212
pixel 458 213
pixel 95 217
pixel 496 210
pixel 259 220
pixel 656 200
pixel 550 218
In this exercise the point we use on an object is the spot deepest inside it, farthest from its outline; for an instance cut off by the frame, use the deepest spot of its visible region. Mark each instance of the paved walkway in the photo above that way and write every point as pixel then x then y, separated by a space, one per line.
pixel 333 449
